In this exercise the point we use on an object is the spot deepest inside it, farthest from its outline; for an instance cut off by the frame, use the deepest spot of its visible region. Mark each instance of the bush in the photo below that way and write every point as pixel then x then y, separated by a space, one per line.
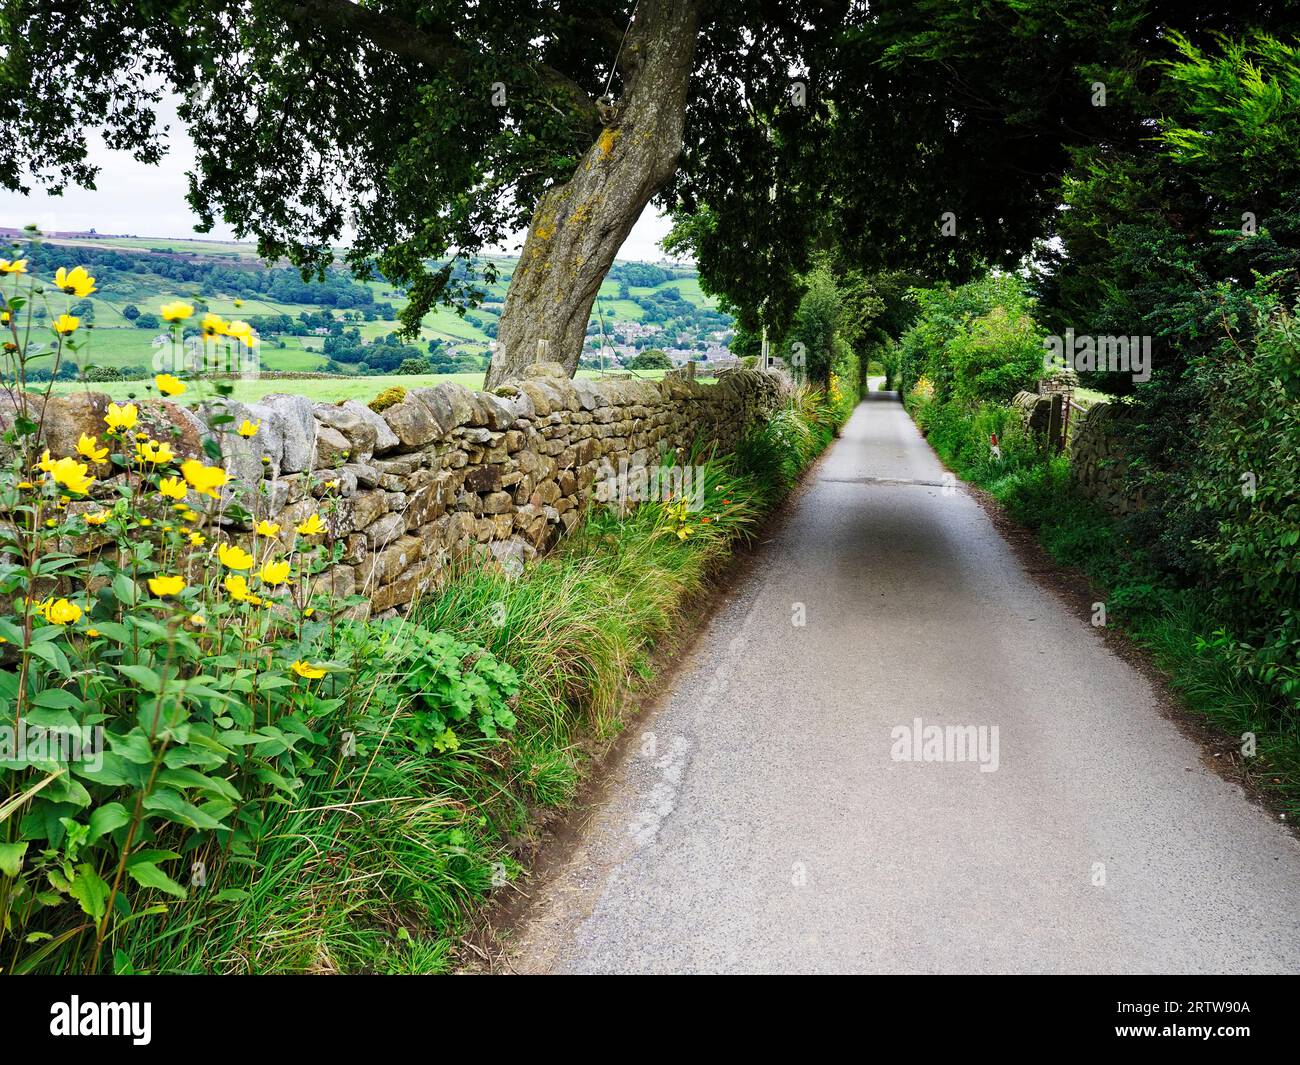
pixel 1243 486
pixel 651 359
pixel 387 398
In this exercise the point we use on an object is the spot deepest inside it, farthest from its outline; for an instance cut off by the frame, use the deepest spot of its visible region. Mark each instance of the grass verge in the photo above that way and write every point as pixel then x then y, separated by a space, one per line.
pixel 1175 625
pixel 386 856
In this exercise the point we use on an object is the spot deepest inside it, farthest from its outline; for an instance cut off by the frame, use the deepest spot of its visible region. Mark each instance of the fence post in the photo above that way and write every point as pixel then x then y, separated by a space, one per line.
pixel 1055 422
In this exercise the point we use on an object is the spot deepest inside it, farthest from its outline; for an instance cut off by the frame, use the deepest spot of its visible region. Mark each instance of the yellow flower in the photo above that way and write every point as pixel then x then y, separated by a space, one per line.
pixel 92 633
pixel 25 486
pixel 5 317
pixel 198 539
pixel 97 518
pixel 683 532
pixel 60 611
pixel 204 479
pixel 248 429
pixel 18 266
pixel 274 572
pixel 161 586
pixel 153 452
pixel 169 385
pixel 309 612
pixel 239 303
pixel 45 462
pixel 233 557
pixel 198 620
pixel 172 487
pixel 240 331
pixel 237 586
pixel 73 475
pixel 121 417
pixel 75 282
pixel 177 311
pixel 214 325
pixel 312 526
pixel 306 669
pixel 189 515
pixel 66 323
pixel 88 447
pixel 266 528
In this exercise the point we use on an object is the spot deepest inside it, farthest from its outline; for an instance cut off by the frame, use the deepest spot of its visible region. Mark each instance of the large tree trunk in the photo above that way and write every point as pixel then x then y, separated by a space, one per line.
pixel 579 226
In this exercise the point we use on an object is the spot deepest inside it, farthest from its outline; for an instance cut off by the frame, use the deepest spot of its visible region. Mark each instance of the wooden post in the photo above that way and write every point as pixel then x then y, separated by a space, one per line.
pixel 1055 437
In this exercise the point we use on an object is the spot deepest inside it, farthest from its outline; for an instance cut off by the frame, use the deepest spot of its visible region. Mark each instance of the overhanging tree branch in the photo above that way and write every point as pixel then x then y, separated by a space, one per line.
pixel 399 37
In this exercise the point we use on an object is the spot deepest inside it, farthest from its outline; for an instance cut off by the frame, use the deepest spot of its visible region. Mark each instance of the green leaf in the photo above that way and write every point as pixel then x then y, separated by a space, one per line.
pixel 105 819
pixel 89 889
pixel 53 656
pixel 147 678
pixel 57 699
pixel 11 857
pixel 174 808
pixel 146 874
pixel 124 589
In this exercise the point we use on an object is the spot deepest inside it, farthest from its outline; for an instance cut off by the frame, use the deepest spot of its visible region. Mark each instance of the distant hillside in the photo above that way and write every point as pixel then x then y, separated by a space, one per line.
pixel 340 324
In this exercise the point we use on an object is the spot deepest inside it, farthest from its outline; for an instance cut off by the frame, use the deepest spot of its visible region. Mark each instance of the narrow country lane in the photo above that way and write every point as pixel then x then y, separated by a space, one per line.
pixel 761 824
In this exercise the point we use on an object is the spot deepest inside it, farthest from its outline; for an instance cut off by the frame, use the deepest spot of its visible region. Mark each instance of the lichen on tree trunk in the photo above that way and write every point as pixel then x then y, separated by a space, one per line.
pixel 578 227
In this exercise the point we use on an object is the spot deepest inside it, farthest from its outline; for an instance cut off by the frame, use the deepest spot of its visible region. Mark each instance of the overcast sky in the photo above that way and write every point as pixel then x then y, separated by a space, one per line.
pixel 149 201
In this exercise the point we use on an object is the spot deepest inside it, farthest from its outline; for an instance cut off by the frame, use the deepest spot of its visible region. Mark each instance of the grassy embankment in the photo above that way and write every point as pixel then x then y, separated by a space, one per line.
pixel 384 861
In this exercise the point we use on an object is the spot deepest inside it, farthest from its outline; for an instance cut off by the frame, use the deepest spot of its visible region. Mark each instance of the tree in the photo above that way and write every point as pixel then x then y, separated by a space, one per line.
pixel 428 131
pixel 130 312
pixel 147 321
pixel 413 366
pixel 651 359
pixel 940 112
pixel 810 345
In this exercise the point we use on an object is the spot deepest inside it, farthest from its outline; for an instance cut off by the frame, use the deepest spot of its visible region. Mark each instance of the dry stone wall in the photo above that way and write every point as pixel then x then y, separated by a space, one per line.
pixel 1099 460
pixel 444 471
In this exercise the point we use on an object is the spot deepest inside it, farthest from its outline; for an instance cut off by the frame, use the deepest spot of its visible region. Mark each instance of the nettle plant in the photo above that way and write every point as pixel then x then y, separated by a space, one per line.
pixel 173 671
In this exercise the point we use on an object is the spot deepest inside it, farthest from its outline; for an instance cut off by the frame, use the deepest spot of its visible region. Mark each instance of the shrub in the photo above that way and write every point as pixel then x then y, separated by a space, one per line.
pixel 651 359
pixel 1243 484
pixel 387 398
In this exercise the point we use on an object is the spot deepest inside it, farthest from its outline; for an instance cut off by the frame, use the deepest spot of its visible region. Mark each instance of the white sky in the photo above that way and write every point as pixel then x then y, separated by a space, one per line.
pixel 149 201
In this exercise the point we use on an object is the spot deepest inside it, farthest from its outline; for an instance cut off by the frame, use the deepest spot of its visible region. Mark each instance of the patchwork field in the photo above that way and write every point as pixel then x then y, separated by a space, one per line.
pixel 322 390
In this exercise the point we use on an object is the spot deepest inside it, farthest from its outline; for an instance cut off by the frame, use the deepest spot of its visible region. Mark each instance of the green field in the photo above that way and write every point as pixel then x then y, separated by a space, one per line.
pixel 109 339
pixel 322 390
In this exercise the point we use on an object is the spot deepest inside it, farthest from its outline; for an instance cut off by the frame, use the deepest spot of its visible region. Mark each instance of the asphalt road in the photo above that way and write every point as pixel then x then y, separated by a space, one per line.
pixel 764 821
